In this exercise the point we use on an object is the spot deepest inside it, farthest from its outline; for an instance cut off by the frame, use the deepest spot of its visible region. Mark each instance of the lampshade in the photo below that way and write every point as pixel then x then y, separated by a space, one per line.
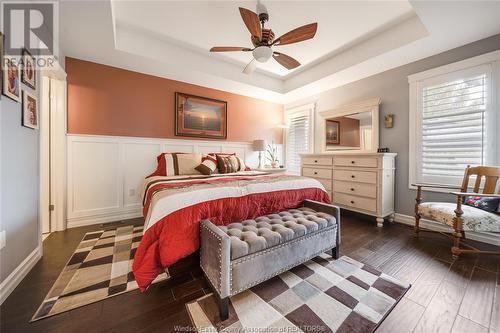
pixel 259 145
pixel 262 53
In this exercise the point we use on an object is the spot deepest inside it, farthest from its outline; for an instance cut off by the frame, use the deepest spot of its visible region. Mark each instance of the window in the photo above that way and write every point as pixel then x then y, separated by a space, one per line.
pixel 452 121
pixel 298 135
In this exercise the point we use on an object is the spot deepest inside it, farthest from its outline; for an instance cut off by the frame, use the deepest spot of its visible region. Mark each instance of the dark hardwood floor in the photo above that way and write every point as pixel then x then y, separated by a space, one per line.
pixel 446 295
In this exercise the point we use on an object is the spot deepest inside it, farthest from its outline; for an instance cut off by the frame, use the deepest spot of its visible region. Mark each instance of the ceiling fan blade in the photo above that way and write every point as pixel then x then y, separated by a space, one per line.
pixel 286 61
pixel 228 49
pixel 300 34
pixel 252 22
pixel 250 67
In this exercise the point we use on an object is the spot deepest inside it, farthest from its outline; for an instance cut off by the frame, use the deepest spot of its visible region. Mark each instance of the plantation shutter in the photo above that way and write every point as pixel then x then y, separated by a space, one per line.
pixel 298 139
pixel 452 128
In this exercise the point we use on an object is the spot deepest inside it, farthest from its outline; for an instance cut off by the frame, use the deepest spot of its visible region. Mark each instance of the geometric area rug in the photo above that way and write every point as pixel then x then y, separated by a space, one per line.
pixel 100 267
pixel 321 295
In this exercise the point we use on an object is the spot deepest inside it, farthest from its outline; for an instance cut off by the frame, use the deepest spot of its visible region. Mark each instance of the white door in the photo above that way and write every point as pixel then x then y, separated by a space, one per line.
pixel 52 154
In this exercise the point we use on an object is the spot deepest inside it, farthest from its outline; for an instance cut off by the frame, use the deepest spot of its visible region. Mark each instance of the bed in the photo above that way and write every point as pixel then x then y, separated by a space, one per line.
pixel 175 205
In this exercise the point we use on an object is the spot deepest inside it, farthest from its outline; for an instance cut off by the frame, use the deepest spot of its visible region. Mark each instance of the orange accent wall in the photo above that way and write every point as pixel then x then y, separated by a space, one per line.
pixel 104 100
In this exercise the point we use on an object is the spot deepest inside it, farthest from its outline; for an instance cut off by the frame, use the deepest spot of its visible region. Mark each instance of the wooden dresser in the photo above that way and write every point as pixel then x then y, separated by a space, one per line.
pixel 361 182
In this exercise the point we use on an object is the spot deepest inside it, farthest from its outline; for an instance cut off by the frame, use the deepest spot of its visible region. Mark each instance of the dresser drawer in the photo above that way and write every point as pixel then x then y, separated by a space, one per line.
pixel 355 202
pixel 355 176
pixel 365 162
pixel 317 160
pixel 362 189
pixel 317 173
pixel 327 183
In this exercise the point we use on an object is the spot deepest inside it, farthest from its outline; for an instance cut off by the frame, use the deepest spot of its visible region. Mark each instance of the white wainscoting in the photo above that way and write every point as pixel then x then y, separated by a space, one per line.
pixel 105 173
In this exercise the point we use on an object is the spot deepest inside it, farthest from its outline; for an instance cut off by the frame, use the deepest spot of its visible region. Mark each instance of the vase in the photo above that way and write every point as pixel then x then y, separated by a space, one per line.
pixel 275 164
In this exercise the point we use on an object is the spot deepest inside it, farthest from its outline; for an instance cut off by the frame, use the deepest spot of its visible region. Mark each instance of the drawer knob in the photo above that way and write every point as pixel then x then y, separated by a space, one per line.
pixel 352 201
pixel 353 176
pixel 315 161
pixel 352 189
pixel 352 162
pixel 315 172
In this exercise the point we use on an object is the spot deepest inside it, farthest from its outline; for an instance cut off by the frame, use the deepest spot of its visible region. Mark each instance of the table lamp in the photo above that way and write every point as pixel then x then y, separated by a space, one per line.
pixel 260 146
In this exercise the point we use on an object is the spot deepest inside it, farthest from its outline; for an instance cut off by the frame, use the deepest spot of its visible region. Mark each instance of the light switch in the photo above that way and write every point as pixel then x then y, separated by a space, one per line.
pixel 2 240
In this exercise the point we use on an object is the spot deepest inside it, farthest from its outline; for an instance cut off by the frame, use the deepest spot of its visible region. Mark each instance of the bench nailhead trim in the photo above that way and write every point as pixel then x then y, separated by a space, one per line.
pixel 220 260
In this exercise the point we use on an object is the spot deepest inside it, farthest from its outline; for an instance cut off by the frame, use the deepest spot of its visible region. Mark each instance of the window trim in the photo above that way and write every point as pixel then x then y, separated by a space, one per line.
pixel 310 109
pixel 489 60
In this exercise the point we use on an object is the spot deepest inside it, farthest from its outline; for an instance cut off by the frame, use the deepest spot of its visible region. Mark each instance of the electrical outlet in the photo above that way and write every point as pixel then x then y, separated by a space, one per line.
pixel 131 192
pixel 2 240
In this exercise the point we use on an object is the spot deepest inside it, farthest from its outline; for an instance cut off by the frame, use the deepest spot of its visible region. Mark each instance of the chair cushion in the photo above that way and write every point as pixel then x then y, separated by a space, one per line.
pixel 474 219
pixel 263 232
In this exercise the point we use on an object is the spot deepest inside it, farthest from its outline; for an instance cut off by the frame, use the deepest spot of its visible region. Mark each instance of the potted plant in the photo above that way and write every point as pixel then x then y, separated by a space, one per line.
pixel 272 152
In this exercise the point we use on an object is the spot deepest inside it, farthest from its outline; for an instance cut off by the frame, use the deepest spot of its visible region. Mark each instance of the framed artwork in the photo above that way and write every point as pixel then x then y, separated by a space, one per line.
pixel 28 74
pixel 332 132
pixel 11 80
pixel 200 117
pixel 30 110
pixel 1 62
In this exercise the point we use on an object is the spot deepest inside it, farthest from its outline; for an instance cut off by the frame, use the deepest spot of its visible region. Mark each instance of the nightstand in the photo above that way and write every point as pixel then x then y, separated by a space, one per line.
pixel 272 170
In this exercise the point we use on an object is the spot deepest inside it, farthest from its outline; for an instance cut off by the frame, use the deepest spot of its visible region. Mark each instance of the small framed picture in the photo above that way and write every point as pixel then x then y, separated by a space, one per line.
pixel 30 110
pixel 28 74
pixel 332 132
pixel 1 62
pixel 11 82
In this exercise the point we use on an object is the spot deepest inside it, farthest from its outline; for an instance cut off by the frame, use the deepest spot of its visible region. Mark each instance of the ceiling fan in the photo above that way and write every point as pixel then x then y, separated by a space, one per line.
pixel 263 39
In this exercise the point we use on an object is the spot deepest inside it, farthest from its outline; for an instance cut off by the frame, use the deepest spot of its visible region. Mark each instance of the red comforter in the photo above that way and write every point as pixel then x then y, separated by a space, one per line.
pixel 174 206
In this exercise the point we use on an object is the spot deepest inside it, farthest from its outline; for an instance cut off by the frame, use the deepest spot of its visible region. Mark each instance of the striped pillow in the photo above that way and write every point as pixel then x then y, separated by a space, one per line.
pixel 241 166
pixel 208 165
pixel 172 164
pixel 227 164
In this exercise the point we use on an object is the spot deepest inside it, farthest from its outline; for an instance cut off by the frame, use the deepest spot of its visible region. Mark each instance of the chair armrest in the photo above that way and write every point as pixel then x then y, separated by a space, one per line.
pixel 215 257
pixel 468 194
pixel 437 186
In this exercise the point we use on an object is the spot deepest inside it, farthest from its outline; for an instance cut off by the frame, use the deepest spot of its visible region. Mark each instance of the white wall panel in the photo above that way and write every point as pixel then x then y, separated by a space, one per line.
pixel 105 173
pixel 139 160
pixel 96 182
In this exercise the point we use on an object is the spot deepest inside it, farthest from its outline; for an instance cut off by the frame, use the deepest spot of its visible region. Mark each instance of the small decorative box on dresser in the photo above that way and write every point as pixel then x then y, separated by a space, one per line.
pixel 361 182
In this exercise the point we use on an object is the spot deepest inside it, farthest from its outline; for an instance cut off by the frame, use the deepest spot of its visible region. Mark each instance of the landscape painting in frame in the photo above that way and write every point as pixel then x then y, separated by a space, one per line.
pixel 200 117
pixel 332 132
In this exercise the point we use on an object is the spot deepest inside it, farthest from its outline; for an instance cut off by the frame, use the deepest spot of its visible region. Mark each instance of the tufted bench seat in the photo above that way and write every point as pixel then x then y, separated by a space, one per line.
pixel 243 254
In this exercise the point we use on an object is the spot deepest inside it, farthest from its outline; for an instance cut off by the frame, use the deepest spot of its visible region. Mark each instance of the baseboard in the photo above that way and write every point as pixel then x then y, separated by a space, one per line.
pixel 106 218
pixel 484 237
pixel 10 283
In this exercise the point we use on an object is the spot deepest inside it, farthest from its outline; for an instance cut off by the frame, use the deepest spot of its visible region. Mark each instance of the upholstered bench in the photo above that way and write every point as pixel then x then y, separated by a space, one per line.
pixel 241 255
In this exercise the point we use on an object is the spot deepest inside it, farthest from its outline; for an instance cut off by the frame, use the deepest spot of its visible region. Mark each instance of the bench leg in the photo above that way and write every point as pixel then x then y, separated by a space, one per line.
pixel 223 308
pixel 335 252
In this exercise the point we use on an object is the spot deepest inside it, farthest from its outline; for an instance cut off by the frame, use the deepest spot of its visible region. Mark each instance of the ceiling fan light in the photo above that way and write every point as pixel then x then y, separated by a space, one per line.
pixel 262 53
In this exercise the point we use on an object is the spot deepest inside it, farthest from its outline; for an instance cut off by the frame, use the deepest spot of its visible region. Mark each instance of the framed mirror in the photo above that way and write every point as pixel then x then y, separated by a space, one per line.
pixel 353 127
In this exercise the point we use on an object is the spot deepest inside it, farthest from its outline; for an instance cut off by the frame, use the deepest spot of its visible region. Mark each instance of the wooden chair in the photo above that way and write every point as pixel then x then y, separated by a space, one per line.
pixel 461 217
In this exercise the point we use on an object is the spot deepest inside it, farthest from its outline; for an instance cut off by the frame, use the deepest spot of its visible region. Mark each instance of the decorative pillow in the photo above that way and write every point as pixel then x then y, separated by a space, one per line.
pixel 187 163
pixel 208 165
pixel 488 204
pixel 227 164
pixel 241 166
pixel 171 164
pixel 241 163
